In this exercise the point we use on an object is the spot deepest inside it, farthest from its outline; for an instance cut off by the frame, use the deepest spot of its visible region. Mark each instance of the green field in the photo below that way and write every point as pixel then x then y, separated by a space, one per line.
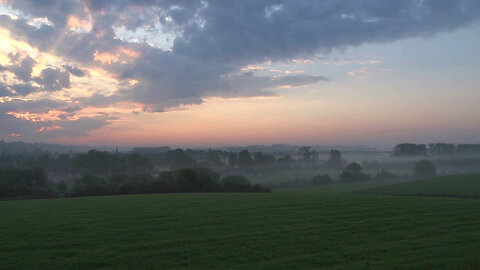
pixel 281 230
pixel 466 185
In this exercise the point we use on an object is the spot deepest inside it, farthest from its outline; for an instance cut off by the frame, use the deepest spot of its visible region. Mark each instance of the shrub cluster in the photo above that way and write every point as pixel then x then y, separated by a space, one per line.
pixel 19 183
pixel 353 173
pixel 322 179
pixel 183 180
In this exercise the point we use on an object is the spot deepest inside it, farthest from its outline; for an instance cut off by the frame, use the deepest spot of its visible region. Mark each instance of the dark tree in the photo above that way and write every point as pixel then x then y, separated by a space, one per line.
pixel 24 183
pixel 385 175
pixel 138 164
pixel 322 179
pixel 178 159
pixel 263 159
pixel 89 185
pixel 165 183
pixel 424 168
pixel 197 180
pixel 409 149
pixel 308 154
pixel 244 158
pixel 442 149
pixel 93 162
pixel 468 149
pixel 334 160
pixel 353 173
pixel 213 157
pixel 62 188
pixel 235 183
pixel 232 159
pixel 285 159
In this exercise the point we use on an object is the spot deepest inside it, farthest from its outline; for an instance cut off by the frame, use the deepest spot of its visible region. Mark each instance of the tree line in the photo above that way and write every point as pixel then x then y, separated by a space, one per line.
pixel 434 149
pixel 33 183
pixel 353 172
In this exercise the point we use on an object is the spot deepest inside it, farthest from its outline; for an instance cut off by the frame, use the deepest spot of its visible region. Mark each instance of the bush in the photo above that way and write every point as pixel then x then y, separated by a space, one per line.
pixel 197 180
pixel 385 175
pixel 89 185
pixel 353 173
pixel 424 168
pixel 235 183
pixel 165 183
pixel 322 179
pixel 24 183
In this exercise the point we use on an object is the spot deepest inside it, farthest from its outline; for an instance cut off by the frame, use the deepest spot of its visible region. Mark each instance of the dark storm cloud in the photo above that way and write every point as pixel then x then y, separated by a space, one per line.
pixel 78 127
pixel 246 30
pixel 23 70
pixel 43 38
pixel 24 89
pixel 4 90
pixel 33 106
pixel 56 11
pixel 34 130
pixel 53 79
pixel 217 38
pixel 75 71
pixel 214 39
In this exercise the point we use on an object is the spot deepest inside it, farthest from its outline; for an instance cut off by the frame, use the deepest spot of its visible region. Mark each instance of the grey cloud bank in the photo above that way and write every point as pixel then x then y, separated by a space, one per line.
pixel 213 41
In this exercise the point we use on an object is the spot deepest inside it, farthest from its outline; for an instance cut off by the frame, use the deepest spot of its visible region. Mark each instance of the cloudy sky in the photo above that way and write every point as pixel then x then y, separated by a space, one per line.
pixel 215 72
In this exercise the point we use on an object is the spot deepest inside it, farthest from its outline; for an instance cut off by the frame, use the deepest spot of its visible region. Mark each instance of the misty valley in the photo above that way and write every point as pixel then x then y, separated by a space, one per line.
pixel 239 134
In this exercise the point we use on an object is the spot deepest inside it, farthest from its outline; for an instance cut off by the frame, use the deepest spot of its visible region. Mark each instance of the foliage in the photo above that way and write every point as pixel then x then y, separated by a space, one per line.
pixel 238 183
pixel 232 159
pixel 334 160
pixel 213 157
pixel 442 149
pixel 178 158
pixel 385 175
pixel 24 183
pixel 263 159
pixel 409 149
pixel 244 158
pixel 165 183
pixel 353 173
pixel 424 168
pixel 285 159
pixel 197 180
pixel 322 179
pixel 308 154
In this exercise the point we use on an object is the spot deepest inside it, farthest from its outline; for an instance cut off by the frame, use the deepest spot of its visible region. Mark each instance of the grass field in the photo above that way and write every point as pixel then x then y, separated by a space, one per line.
pixel 241 231
pixel 466 185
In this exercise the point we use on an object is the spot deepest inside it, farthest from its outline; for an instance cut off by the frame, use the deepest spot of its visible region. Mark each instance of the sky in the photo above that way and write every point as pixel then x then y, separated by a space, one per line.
pixel 206 73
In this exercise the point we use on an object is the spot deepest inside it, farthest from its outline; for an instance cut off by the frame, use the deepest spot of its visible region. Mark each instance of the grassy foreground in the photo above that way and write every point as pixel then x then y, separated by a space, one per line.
pixel 465 185
pixel 241 231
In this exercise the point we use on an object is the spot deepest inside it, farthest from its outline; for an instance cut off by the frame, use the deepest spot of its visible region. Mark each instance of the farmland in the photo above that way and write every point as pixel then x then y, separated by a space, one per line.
pixel 465 185
pixel 279 230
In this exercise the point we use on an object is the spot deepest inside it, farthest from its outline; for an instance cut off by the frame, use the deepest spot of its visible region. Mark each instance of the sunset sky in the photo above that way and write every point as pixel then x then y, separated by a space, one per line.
pixel 203 73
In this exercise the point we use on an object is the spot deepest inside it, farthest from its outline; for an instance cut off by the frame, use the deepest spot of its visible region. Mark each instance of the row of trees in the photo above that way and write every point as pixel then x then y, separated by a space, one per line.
pixel 95 162
pixel 434 149
pixel 179 158
pixel 24 183
pixel 183 180
pixel 353 173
